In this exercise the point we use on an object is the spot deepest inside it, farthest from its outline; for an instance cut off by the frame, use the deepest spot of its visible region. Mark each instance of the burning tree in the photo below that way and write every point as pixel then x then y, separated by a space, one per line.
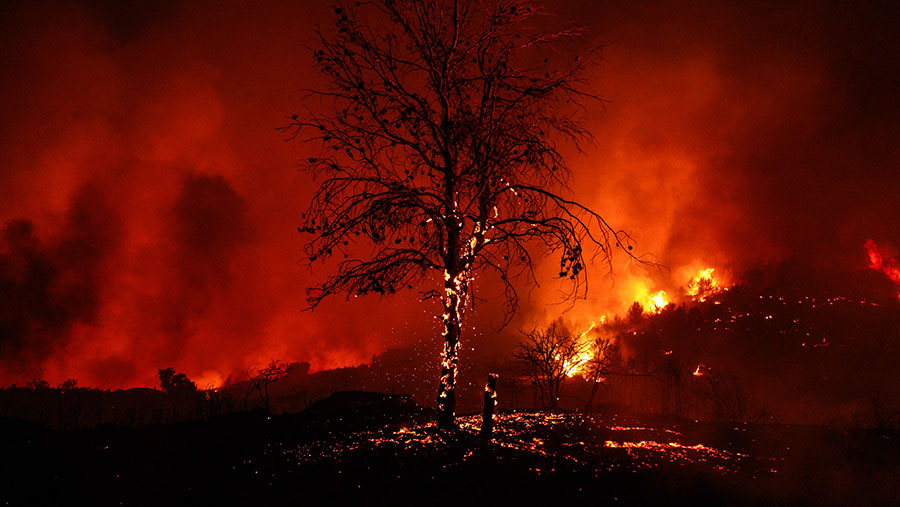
pixel 438 157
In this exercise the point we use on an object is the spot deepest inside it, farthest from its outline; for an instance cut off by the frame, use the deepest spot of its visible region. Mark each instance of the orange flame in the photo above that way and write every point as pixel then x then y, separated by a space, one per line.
pixel 657 302
pixel 575 365
pixel 703 285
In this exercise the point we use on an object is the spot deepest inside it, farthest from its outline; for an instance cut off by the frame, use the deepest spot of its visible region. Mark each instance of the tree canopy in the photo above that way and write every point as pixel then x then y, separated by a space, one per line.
pixel 438 156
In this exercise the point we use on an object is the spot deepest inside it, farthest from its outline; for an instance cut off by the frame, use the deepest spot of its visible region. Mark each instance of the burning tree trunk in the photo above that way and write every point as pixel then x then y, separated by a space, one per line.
pixel 453 300
pixel 446 402
pixel 490 402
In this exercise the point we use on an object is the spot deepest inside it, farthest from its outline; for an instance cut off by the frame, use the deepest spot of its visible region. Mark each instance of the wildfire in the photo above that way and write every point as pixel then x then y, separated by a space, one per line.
pixel 575 365
pixel 703 285
pixel 890 266
pixel 657 302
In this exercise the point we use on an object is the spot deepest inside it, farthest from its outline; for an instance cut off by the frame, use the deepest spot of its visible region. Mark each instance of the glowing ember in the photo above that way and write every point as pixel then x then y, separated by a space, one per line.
pixel 673 447
pixel 699 371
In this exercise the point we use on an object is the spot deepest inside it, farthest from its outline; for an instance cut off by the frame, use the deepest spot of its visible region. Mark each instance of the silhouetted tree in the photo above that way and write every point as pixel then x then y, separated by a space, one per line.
pixel 600 350
pixel 261 378
pixel 635 313
pixel 37 384
pixel 175 383
pixel 549 356
pixel 439 157
pixel 68 405
pixel 179 387
pixel 701 288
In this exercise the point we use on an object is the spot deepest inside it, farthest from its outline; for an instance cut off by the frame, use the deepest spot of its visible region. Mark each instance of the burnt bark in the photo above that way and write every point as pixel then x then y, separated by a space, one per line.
pixel 490 403
pixel 446 401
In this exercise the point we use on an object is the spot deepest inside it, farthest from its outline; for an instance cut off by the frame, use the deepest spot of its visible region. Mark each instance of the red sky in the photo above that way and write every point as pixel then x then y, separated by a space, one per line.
pixel 150 206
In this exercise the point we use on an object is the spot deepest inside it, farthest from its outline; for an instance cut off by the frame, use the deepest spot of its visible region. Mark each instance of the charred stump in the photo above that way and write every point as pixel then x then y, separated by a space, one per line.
pixel 490 402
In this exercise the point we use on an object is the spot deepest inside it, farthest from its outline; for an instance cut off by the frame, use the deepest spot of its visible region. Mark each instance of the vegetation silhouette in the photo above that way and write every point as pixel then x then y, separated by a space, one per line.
pixel 439 159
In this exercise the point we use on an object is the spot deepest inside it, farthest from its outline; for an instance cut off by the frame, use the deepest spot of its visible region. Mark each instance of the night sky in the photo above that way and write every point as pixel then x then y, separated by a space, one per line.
pixel 150 205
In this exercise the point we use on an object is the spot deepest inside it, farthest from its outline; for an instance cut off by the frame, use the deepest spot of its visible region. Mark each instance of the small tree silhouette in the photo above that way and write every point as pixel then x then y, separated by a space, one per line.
pixel 175 383
pixel 439 159
pixel 635 313
pixel 68 405
pixel 548 356
pixel 37 384
pixel 261 378
pixel 600 349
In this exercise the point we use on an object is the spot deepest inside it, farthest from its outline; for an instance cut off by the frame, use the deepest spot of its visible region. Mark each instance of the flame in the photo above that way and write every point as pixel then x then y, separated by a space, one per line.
pixel 576 364
pixel 657 302
pixel 890 266
pixel 703 284
pixel 699 371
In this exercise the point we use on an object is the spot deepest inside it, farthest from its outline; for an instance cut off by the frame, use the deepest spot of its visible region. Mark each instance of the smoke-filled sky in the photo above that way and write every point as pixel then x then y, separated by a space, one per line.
pixel 150 206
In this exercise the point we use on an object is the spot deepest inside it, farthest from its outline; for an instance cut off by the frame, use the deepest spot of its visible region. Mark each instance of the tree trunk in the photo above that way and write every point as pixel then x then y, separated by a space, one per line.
pixel 446 403
pixel 590 404
pixel 554 389
pixel 490 402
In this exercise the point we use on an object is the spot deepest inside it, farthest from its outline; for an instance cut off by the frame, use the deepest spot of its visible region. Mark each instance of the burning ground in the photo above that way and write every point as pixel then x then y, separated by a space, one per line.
pixel 365 447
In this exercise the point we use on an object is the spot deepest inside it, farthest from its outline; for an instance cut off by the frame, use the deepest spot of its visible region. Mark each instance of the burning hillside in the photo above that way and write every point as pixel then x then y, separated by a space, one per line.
pixel 150 211
pixel 742 352
pixel 650 227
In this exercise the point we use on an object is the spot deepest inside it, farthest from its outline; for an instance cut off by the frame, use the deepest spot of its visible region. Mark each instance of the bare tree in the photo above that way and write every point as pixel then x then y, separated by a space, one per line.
pixel 600 350
pixel 439 159
pixel 549 356
pixel 261 378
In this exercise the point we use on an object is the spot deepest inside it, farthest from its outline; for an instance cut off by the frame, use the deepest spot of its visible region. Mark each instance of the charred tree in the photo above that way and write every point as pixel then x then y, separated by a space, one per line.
pixel 438 159
pixel 490 403
pixel 262 377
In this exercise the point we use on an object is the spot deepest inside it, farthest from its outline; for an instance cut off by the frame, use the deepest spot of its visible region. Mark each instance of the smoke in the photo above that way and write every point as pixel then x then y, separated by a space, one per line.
pixel 209 226
pixel 741 137
pixel 50 285
pixel 150 207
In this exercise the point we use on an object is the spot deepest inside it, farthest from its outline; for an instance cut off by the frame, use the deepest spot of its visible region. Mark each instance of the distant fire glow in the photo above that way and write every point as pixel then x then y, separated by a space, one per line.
pixel 878 262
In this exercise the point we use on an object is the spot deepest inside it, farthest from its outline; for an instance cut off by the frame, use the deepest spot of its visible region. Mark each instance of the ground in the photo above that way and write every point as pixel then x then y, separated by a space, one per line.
pixel 358 450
